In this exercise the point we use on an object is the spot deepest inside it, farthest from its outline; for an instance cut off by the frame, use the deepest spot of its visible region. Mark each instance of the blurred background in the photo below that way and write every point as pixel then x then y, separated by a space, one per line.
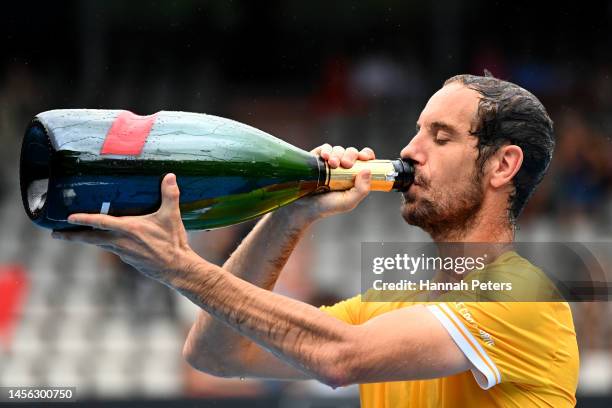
pixel 353 73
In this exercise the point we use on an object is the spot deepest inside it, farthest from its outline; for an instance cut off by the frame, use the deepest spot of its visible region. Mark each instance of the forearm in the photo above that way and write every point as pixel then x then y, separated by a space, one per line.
pixel 297 333
pixel 261 256
pixel 259 259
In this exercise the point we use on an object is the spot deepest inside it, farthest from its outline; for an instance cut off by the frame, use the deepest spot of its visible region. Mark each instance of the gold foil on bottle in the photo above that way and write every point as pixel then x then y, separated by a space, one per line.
pixel 382 175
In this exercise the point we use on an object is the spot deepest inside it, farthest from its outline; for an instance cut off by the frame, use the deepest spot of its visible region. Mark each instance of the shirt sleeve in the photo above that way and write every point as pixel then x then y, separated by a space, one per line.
pixel 505 342
pixel 345 310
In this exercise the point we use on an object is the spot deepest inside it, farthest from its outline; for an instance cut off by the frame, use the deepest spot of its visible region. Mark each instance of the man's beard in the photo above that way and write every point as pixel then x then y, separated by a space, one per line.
pixel 445 215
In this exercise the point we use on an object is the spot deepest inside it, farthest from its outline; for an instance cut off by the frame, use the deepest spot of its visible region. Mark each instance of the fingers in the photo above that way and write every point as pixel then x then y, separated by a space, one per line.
pixel 99 221
pixel 170 197
pixel 366 154
pixel 324 150
pixel 102 238
pixel 335 156
pixel 348 159
pixel 339 156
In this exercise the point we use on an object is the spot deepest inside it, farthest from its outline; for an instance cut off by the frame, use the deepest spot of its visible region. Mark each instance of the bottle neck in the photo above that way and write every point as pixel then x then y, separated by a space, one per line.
pixel 405 174
pixel 386 175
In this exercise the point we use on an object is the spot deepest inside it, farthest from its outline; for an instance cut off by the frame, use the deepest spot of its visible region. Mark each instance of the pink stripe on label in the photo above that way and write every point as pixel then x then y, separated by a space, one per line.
pixel 128 134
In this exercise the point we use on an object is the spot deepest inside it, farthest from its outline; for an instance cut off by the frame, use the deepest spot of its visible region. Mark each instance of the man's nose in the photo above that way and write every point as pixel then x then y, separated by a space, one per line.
pixel 413 152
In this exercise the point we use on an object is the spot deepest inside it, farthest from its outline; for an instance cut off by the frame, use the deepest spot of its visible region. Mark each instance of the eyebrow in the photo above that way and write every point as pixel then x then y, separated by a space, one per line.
pixel 437 125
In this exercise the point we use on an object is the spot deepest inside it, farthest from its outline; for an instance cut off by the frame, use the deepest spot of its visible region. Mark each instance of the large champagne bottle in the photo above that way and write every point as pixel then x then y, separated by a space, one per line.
pixel 112 162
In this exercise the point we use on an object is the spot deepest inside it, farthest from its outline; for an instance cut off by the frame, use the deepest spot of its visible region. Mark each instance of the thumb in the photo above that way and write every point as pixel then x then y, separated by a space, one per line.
pixel 361 188
pixel 170 195
pixel 363 183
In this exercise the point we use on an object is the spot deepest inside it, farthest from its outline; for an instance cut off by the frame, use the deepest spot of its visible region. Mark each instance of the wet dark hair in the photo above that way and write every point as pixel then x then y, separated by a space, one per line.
pixel 508 114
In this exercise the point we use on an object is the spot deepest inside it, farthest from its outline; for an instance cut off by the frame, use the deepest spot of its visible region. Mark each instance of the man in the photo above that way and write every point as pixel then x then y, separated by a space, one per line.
pixel 481 147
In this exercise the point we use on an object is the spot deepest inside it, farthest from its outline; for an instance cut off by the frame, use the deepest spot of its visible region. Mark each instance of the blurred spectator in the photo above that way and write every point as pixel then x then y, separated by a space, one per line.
pixel 581 170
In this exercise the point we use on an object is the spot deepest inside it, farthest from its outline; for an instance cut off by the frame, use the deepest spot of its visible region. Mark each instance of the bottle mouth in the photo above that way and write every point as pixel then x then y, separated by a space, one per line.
pixel 36 152
pixel 405 174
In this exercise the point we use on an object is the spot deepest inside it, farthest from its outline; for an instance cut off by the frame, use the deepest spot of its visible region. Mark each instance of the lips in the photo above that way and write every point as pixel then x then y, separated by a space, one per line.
pixel 414 183
pixel 410 193
pixel 417 182
pixel 419 185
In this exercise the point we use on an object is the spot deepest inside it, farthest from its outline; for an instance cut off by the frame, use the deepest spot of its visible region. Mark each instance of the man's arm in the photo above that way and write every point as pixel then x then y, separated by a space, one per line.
pixel 405 344
pixel 216 348
pixel 212 346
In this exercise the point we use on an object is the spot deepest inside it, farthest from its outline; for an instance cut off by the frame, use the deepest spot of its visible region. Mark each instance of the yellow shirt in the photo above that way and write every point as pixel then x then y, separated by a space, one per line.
pixel 524 353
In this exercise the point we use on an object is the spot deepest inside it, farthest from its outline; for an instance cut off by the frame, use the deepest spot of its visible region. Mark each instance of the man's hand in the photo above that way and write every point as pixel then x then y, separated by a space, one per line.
pixel 324 205
pixel 155 244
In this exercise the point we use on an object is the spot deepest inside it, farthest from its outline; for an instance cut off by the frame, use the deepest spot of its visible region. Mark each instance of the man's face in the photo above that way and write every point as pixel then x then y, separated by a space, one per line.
pixel 447 191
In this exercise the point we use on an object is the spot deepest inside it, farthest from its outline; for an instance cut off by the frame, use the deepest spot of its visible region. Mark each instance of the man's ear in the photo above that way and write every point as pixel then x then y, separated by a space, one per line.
pixel 507 162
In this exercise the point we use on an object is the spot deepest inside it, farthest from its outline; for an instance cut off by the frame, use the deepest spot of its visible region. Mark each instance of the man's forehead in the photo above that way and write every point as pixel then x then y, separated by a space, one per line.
pixel 454 104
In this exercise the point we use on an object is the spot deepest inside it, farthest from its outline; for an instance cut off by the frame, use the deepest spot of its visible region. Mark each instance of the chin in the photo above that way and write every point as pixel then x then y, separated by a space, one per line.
pixel 409 211
pixel 409 197
pixel 417 211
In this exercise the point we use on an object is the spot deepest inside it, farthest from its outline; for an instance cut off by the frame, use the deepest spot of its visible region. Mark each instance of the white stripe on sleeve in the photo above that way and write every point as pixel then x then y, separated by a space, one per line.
pixel 486 375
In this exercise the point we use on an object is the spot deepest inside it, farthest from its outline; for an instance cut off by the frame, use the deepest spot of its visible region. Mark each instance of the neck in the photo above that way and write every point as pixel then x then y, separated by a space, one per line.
pixel 488 234
pixel 485 226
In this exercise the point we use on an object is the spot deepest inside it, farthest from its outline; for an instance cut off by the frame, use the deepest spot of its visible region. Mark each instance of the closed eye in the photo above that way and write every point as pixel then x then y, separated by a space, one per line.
pixel 441 137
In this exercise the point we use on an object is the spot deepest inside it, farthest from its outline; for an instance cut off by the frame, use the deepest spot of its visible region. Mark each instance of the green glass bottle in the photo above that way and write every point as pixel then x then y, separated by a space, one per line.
pixel 112 162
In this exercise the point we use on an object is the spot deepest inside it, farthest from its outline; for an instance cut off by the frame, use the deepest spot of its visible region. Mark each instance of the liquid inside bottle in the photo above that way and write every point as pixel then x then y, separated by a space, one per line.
pixel 227 172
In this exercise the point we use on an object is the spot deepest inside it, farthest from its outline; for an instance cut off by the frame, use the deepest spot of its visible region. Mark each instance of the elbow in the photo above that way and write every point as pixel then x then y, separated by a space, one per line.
pixel 339 369
pixel 207 363
pixel 334 379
